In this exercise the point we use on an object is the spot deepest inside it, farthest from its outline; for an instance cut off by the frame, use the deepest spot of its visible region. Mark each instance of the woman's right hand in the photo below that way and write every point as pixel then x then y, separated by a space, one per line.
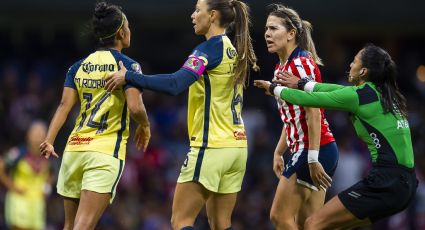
pixel 278 165
pixel 47 149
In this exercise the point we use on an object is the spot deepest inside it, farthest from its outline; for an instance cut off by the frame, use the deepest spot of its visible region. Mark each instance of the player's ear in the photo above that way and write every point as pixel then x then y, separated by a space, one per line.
pixel 214 15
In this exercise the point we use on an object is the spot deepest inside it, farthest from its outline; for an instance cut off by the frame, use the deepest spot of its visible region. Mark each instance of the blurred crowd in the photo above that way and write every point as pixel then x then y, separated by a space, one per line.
pixel 31 87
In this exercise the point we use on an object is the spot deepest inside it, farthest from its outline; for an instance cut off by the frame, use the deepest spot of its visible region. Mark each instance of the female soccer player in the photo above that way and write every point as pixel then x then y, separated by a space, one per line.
pixel 213 171
pixel 378 112
pixel 313 154
pixel 94 156
pixel 27 179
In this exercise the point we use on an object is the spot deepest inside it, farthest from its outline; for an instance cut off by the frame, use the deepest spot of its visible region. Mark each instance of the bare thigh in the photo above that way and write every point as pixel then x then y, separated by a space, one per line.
pixel 189 198
pixel 219 210
pixel 70 207
pixel 287 202
pixel 333 215
pixel 314 202
pixel 91 207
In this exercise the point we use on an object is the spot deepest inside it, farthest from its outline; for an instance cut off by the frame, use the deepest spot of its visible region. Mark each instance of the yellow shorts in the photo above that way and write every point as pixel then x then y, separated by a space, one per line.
pixel 219 170
pixel 25 212
pixel 92 171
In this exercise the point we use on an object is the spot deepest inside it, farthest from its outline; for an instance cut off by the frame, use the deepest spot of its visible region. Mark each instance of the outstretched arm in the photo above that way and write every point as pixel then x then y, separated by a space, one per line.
pixel 69 98
pixel 291 81
pixel 172 84
pixel 344 99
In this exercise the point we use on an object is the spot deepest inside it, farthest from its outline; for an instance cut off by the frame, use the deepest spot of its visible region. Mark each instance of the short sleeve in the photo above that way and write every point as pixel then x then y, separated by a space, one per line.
pixel 70 75
pixel 129 64
pixel 210 51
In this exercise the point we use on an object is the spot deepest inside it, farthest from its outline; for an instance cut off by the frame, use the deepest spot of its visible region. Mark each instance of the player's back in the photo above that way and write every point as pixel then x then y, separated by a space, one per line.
pixel 215 103
pixel 102 124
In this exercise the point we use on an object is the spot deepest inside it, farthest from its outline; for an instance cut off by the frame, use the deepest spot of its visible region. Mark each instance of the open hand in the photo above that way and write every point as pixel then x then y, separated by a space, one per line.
pixel 142 136
pixel 287 79
pixel 319 176
pixel 47 149
pixel 117 79
pixel 263 85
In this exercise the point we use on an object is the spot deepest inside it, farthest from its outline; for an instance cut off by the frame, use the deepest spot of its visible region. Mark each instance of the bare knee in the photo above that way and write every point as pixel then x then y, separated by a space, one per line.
pixel 84 224
pixel 280 222
pixel 219 223
pixel 313 222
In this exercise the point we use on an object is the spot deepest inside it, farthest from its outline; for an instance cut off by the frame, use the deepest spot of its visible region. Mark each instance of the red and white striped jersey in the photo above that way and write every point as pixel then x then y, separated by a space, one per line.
pixel 301 64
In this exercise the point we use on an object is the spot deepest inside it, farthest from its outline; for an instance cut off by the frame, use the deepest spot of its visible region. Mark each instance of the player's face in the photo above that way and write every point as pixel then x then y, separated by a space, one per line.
pixel 357 71
pixel 127 34
pixel 276 35
pixel 201 18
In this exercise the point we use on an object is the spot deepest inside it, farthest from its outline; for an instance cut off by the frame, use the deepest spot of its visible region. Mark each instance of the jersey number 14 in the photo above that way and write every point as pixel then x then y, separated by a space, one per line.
pixel 102 124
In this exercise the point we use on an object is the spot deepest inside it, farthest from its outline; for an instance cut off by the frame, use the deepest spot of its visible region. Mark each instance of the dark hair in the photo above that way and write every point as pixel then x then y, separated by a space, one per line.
pixel 107 20
pixel 236 13
pixel 291 20
pixel 382 72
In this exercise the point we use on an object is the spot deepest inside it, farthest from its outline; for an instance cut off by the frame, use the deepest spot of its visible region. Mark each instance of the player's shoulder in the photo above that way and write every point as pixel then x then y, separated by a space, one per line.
pixel 210 46
pixel 128 62
pixel 75 66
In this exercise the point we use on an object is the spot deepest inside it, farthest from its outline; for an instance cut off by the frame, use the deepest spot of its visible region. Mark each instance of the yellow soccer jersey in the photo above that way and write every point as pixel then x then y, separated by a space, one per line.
pixel 215 104
pixel 102 124
pixel 30 173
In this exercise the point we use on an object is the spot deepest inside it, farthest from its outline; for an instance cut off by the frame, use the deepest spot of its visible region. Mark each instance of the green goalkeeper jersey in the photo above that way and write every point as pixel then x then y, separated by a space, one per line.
pixel 387 135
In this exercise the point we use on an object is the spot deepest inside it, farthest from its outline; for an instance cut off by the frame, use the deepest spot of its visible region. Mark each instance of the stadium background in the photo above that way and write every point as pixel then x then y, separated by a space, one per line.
pixel 39 40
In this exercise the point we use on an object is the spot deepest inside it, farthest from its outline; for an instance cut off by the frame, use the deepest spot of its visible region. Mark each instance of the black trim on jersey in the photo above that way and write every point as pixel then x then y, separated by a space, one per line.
pixel 123 127
pixel 386 155
pixel 206 127
pixel 367 95
pixel 118 177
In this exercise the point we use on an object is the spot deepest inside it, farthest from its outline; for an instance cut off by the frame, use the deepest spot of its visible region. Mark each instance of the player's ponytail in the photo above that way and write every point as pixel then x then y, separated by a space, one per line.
pixel 106 22
pixel 235 13
pixel 382 72
pixel 291 20
pixel 243 43
pixel 306 41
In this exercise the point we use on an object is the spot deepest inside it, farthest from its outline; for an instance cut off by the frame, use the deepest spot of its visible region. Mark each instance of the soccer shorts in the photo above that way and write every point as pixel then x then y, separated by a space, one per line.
pixel 25 212
pixel 384 192
pixel 298 163
pixel 92 171
pixel 219 170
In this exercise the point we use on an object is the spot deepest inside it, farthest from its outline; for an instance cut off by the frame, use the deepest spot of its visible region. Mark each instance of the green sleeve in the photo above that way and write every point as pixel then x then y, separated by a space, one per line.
pixel 345 99
pixel 324 87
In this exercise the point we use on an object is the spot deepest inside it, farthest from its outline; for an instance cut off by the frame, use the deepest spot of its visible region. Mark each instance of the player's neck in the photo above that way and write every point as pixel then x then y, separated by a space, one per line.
pixel 214 31
pixel 286 52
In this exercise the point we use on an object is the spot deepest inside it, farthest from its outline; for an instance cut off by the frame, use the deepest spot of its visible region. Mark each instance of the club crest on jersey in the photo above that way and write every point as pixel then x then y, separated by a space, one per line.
pixel 231 53
pixel 136 67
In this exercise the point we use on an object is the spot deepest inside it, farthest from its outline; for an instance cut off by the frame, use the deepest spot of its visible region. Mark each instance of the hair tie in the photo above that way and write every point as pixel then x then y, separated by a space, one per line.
pixel 122 23
pixel 232 3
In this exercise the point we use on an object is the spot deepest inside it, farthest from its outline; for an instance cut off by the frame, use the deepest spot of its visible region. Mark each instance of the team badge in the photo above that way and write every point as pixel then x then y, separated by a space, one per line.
pixel 136 67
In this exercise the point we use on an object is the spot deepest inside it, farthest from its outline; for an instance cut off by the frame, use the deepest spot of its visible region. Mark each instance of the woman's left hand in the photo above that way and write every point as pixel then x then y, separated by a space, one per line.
pixel 320 178
pixel 263 85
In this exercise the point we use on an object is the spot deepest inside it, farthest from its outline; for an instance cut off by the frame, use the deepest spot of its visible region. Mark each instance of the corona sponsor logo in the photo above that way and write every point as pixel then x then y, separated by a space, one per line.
pixel 89 67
